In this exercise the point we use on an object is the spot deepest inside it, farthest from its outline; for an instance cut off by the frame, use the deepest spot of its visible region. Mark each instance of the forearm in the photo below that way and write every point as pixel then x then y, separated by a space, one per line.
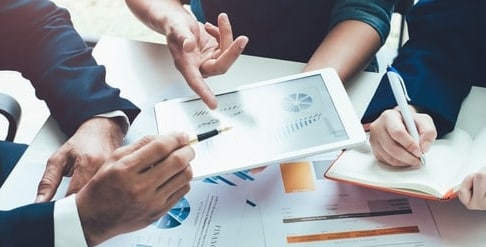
pixel 348 48
pixel 49 52
pixel 30 225
pixel 156 13
pixel 438 77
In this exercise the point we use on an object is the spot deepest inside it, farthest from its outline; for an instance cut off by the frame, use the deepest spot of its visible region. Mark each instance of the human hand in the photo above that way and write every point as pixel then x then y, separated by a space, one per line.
pixel 472 192
pixel 81 156
pixel 392 144
pixel 136 186
pixel 257 170
pixel 200 51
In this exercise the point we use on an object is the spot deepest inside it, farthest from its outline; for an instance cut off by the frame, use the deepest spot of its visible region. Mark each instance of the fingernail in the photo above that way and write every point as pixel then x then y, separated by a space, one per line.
pixel 184 46
pixel 39 198
pixel 243 43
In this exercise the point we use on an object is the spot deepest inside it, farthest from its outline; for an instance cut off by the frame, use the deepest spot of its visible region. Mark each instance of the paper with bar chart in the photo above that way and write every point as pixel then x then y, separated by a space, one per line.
pixel 301 208
pixel 271 121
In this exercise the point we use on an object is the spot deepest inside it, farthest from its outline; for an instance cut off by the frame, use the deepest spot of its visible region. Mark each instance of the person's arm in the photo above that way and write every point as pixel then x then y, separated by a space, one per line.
pixel 136 185
pixel 347 48
pixel 47 50
pixel 199 50
pixel 357 30
pixel 30 225
pixel 437 65
pixel 162 16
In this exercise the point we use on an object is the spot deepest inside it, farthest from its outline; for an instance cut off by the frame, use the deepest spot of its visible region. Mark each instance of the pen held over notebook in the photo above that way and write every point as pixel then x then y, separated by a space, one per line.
pixel 400 92
pixel 207 135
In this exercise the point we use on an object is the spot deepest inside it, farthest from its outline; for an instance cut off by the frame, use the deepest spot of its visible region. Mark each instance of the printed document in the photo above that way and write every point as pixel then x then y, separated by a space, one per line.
pixel 299 207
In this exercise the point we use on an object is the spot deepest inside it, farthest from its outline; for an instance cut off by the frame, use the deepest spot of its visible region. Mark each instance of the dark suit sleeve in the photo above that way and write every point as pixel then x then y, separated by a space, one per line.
pixel 40 42
pixel 31 225
pixel 436 63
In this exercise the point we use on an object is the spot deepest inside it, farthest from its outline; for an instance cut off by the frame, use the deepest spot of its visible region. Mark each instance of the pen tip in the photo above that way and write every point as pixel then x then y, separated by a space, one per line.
pixel 226 128
pixel 422 159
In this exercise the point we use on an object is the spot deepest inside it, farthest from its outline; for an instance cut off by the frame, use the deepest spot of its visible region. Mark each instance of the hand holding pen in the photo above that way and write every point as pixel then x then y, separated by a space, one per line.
pixel 401 96
pixel 400 137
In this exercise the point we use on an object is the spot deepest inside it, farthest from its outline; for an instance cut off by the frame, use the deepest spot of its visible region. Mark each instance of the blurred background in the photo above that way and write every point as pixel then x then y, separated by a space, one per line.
pixel 93 18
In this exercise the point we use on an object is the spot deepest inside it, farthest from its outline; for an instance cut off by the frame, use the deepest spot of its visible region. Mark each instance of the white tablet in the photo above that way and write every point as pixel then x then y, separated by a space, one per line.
pixel 271 121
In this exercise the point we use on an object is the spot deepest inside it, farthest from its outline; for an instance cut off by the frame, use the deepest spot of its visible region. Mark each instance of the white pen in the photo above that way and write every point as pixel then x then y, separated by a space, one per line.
pixel 400 92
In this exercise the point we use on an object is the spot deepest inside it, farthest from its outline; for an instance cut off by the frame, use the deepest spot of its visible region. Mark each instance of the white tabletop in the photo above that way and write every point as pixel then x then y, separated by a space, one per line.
pixel 146 75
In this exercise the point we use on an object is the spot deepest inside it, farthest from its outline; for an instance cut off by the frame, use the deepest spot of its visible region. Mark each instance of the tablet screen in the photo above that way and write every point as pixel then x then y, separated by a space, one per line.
pixel 299 111
pixel 270 121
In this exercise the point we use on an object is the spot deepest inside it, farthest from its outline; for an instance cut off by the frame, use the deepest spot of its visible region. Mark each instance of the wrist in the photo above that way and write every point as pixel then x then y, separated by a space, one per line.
pixel 112 127
pixel 122 124
pixel 94 232
pixel 164 16
pixel 116 128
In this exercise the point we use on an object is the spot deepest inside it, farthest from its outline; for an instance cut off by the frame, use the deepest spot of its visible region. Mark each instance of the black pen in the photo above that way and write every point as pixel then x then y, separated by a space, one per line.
pixel 207 135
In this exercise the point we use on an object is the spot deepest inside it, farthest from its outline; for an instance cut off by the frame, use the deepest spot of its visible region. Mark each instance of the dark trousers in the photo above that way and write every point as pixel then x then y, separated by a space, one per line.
pixel 10 154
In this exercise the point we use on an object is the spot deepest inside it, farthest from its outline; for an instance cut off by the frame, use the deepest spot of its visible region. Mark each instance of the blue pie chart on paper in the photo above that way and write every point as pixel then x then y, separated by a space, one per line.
pixel 175 216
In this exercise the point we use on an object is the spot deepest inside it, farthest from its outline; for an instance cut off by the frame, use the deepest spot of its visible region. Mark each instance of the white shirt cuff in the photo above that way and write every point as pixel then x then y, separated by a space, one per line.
pixel 124 124
pixel 67 225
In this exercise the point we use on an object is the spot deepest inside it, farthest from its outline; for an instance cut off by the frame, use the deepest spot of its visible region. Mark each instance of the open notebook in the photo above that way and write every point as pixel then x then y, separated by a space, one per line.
pixel 448 161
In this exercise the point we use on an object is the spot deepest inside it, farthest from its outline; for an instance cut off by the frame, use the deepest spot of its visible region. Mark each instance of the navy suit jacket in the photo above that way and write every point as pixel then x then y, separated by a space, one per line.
pixel 441 61
pixel 38 40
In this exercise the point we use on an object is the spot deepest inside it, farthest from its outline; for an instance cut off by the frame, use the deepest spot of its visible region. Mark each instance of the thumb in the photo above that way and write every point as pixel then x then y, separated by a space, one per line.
pixel 187 38
pixel 182 38
pixel 49 182
pixel 188 43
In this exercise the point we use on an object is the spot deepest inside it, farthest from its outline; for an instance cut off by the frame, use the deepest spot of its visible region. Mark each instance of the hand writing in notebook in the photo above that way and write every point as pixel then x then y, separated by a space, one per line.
pixel 399 90
pixel 391 142
pixel 401 136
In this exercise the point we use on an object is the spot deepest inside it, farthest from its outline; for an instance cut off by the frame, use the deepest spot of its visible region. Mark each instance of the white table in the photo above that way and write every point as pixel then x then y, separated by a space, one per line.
pixel 146 75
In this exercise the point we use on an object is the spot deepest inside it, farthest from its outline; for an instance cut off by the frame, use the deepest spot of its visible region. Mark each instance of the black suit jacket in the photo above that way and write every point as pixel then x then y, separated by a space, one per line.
pixel 441 61
pixel 38 40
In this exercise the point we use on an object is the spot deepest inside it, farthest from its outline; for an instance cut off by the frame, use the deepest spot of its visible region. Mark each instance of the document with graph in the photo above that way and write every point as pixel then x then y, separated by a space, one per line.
pixel 271 121
pixel 300 208
pixel 209 215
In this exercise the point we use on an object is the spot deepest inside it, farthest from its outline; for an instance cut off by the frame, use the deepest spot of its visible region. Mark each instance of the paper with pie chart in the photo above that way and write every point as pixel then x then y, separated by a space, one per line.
pixel 272 121
pixel 208 215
